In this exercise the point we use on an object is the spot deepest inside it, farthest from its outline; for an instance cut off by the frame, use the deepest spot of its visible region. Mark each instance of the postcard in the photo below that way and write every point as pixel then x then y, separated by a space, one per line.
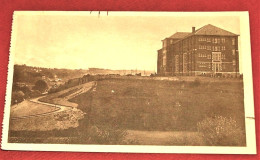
pixel 136 82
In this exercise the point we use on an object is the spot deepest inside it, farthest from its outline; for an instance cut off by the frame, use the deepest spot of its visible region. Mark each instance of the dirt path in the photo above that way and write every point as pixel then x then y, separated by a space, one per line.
pixel 58 108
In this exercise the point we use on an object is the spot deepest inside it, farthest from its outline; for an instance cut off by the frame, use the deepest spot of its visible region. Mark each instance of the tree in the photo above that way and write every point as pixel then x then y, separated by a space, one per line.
pixel 17 97
pixel 41 86
pixel 26 90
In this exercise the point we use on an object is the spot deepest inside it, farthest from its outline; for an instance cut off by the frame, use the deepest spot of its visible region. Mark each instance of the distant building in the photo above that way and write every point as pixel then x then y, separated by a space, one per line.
pixel 206 51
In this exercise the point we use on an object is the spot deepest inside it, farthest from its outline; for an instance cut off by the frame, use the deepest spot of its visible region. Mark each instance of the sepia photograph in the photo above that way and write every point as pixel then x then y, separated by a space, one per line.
pixel 143 82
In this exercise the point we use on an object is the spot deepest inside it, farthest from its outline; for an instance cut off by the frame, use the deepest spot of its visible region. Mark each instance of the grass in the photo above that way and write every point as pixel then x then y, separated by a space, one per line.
pixel 152 105
pixel 58 120
pixel 126 111
pixel 165 138
pixel 61 97
pixel 68 93
pixel 27 108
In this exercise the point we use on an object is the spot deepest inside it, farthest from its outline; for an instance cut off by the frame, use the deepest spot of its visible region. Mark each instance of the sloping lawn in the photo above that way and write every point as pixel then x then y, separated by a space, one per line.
pixel 161 105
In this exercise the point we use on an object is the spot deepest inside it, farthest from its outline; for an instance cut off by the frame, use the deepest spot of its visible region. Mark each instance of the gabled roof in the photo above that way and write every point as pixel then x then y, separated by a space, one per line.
pixel 205 30
pixel 179 35
pixel 213 30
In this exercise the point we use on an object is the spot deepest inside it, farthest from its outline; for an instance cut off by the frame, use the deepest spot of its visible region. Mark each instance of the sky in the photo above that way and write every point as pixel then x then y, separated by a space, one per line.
pixel 111 42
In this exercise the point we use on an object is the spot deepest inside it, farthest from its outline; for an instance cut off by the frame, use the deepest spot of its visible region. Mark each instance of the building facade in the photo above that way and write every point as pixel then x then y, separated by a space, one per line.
pixel 207 51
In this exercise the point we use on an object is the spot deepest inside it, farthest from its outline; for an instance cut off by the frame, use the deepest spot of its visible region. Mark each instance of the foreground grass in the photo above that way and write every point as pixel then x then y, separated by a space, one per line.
pixel 161 105
pixel 125 111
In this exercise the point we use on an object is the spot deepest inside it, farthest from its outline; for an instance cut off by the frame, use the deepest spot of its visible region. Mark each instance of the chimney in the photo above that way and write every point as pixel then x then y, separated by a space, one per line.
pixel 193 29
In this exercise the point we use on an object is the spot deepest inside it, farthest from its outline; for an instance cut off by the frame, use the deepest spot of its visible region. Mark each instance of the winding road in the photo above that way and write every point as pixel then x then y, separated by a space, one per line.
pixel 58 108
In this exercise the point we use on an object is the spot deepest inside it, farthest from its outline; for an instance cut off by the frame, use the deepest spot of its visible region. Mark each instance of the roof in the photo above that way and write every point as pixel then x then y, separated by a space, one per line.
pixel 213 30
pixel 205 30
pixel 179 35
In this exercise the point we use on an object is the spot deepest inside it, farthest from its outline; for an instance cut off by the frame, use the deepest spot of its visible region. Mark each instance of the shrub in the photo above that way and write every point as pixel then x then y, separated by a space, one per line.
pixel 221 131
pixel 26 90
pixel 106 135
pixel 17 97
pixel 41 85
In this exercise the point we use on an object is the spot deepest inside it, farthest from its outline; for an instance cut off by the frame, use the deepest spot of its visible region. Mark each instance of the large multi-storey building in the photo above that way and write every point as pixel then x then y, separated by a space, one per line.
pixel 206 51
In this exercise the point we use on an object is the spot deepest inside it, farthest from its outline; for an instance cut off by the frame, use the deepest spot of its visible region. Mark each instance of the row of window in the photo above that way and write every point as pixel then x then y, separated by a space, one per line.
pixel 213 40
pixel 214 66
pixel 216 40
pixel 213 48
pixel 217 67
pixel 204 65
pixel 214 56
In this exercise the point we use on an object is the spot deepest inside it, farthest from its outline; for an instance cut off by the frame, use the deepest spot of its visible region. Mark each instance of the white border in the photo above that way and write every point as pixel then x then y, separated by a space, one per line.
pixel 248 94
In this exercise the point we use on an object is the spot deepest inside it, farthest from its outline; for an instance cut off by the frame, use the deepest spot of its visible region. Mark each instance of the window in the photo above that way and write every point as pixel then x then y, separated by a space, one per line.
pixel 234 62
pixel 223 48
pixel 209 56
pixel 233 41
pixel 208 40
pixel 164 59
pixel 202 65
pixel 216 56
pixel 218 40
pixel 233 52
pixel 176 63
pixel 216 48
pixel 223 40
pixel 202 39
pixel 208 47
pixel 223 56
pixel 202 47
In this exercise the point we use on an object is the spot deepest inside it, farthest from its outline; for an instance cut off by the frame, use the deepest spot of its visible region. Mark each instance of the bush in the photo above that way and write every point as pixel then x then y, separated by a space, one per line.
pixel 41 85
pixel 17 97
pixel 221 131
pixel 27 91
pixel 106 135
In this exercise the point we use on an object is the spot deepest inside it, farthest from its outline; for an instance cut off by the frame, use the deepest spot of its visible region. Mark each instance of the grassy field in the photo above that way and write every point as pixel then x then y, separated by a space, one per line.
pixel 37 124
pixel 153 112
pixel 161 105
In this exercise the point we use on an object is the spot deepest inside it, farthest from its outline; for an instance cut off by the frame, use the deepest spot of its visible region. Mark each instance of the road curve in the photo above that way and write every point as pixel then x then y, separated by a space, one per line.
pixel 61 108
